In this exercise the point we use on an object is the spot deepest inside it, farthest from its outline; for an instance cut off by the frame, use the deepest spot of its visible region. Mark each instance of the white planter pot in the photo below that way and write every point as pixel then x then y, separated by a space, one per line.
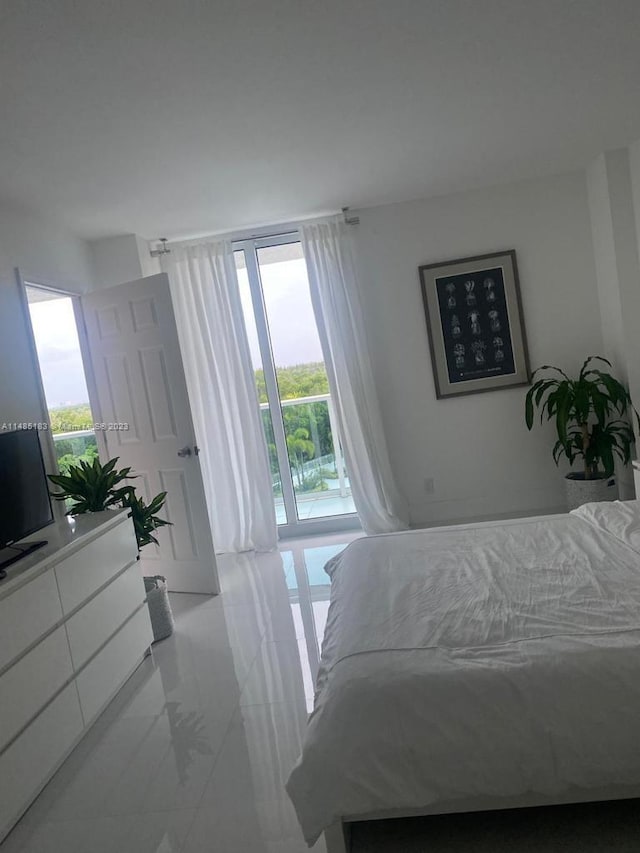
pixel 159 607
pixel 580 491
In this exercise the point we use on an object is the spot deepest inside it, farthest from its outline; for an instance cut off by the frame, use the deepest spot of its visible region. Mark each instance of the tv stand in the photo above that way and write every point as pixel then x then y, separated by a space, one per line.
pixel 74 625
pixel 18 552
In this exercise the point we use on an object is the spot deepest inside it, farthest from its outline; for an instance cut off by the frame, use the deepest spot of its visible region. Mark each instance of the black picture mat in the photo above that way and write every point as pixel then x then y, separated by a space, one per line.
pixel 474 319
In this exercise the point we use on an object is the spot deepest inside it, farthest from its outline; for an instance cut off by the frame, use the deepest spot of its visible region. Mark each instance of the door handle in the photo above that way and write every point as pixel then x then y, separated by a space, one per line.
pixel 184 451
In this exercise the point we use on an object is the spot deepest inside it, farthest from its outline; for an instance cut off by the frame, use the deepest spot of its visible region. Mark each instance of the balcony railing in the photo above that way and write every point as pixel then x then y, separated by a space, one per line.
pixel 315 455
pixel 314 446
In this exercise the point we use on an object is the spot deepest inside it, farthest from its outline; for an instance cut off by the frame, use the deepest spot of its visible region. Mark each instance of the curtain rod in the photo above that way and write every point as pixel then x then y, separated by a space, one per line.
pixel 288 233
pixel 162 248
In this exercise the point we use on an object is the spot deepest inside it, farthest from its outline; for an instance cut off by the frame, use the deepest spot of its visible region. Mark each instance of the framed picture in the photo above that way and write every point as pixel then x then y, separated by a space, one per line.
pixel 475 325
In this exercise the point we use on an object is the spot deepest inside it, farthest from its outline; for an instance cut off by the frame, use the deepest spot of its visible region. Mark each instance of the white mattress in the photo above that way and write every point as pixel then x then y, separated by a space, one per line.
pixel 492 660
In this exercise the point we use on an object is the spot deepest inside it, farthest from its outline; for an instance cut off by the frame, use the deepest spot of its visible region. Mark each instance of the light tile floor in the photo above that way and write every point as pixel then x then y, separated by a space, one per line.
pixel 193 753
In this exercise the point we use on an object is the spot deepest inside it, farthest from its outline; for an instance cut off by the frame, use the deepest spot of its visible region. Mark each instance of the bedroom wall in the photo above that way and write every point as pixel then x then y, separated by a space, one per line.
pixel 44 252
pixel 615 240
pixel 481 457
pixel 122 258
pixel 607 275
pixel 632 290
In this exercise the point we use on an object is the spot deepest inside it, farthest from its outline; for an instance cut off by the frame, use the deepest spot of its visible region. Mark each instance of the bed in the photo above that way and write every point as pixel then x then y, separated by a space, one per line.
pixel 477 667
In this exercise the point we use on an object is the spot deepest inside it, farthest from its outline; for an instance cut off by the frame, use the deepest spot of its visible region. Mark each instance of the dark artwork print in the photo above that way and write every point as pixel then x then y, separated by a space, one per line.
pixel 475 325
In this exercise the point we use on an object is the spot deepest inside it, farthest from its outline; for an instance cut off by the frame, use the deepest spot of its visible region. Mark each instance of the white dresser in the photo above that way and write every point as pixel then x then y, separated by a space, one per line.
pixel 73 627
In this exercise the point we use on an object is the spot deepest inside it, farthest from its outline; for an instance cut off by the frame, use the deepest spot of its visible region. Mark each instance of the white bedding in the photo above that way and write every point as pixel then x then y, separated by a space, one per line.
pixel 492 660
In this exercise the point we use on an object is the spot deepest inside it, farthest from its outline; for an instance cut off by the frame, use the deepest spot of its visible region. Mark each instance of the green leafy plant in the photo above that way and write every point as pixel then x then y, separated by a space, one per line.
pixel 91 486
pixel 300 448
pixel 144 516
pixel 590 415
pixel 66 462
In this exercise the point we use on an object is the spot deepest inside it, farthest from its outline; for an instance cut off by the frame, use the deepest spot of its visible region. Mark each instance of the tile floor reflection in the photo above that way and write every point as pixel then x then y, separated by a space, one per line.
pixel 193 753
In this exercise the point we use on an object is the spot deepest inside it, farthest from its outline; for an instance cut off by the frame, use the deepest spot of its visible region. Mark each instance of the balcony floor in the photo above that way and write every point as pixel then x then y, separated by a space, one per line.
pixel 320 505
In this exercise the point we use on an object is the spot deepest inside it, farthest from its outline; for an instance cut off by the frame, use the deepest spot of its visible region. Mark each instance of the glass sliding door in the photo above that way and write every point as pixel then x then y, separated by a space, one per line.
pixel 310 481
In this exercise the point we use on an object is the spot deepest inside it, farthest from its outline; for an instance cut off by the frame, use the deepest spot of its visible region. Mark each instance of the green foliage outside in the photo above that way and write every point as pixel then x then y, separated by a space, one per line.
pixel 68 418
pixel 69 459
pixel 300 450
pixel 298 380
pixel 76 448
pixel 307 428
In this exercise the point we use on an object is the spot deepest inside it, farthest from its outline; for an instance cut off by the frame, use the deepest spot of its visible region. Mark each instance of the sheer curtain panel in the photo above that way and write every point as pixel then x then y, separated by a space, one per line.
pixel 336 303
pixel 223 396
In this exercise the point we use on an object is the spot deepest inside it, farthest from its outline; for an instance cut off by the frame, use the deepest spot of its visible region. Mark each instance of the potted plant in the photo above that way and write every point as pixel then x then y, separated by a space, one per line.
pixel 93 487
pixel 144 517
pixel 145 522
pixel 591 422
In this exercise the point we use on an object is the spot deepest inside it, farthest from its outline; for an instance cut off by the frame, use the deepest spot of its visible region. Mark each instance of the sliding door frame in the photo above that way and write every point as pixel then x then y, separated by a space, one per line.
pixel 268 366
pixel 294 526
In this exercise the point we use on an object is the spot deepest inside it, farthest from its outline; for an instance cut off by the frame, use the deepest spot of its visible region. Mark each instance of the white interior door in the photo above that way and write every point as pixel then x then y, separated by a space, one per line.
pixel 138 381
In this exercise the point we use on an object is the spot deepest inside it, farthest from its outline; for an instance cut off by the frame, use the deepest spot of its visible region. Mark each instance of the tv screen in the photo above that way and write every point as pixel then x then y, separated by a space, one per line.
pixel 24 494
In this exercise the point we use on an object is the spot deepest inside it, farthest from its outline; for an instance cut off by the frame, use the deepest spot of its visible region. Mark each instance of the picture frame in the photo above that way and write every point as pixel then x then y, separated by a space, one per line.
pixel 475 324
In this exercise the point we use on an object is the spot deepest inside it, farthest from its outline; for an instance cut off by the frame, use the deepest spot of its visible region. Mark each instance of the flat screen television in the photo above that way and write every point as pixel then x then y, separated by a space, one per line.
pixel 25 506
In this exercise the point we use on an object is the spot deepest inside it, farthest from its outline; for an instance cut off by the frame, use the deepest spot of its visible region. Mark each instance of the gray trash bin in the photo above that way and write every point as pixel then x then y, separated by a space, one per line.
pixel 159 607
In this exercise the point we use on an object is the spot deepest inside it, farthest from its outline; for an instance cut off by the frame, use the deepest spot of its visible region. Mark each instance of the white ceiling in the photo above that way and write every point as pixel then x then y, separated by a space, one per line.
pixel 174 117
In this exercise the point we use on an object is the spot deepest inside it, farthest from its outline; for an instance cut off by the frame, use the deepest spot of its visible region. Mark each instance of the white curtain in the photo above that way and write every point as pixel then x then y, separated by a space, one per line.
pixel 336 303
pixel 223 396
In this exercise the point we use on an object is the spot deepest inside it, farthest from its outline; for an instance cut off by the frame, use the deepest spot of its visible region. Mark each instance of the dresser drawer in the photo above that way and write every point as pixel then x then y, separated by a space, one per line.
pixel 94 623
pixel 32 758
pixel 31 682
pixel 27 614
pixel 102 678
pixel 81 574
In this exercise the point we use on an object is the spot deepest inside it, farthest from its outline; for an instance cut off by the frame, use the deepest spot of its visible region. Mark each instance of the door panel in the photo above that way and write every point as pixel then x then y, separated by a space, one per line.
pixel 183 540
pixel 156 380
pixel 139 381
pixel 117 376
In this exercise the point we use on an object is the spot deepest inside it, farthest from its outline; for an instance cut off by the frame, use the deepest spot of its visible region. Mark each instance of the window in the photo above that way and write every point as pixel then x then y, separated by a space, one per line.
pixel 63 379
